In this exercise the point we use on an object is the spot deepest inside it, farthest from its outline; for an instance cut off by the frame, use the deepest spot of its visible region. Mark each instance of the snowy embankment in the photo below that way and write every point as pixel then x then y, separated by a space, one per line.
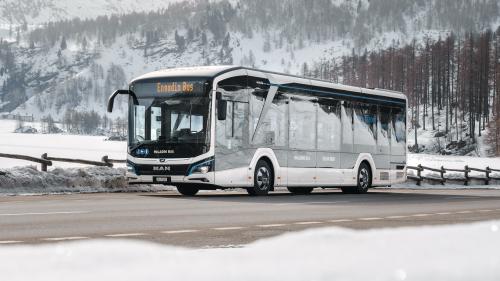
pixel 452 162
pixel 457 252
pixel 29 181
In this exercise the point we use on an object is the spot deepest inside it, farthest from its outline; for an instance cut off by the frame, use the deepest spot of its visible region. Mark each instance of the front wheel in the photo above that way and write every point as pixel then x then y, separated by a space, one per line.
pixel 364 181
pixel 187 190
pixel 263 180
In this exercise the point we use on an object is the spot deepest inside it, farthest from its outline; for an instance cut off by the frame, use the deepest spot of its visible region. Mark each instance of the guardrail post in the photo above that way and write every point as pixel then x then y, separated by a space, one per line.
pixel 442 175
pixel 466 174
pixel 419 174
pixel 44 165
pixel 105 159
pixel 488 171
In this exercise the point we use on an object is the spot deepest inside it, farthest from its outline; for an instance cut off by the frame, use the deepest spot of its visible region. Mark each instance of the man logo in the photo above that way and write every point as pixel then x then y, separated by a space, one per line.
pixel 163 160
pixel 161 168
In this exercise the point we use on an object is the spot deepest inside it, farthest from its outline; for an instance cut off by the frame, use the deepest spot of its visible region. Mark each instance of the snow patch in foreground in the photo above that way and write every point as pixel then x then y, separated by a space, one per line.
pixel 459 252
pixel 29 180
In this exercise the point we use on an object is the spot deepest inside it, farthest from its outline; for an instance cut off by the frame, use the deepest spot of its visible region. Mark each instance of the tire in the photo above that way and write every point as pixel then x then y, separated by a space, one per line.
pixel 187 190
pixel 300 190
pixel 263 179
pixel 364 181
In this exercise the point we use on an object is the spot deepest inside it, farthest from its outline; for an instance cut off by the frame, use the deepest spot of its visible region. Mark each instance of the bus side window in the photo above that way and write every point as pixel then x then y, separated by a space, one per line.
pixel 398 131
pixel 302 131
pixel 273 127
pixel 258 89
pixel 347 127
pixel 329 125
pixel 365 118
pixel 383 131
pixel 230 132
pixel 234 128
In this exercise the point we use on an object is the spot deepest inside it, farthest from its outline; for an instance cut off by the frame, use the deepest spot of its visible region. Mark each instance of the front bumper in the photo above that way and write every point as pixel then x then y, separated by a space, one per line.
pixel 207 179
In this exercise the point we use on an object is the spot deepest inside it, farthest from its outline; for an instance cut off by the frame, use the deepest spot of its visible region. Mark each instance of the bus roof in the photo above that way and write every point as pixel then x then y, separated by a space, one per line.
pixel 213 71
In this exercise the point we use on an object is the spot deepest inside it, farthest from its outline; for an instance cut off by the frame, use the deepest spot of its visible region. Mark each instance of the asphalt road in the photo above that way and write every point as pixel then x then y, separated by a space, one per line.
pixel 230 219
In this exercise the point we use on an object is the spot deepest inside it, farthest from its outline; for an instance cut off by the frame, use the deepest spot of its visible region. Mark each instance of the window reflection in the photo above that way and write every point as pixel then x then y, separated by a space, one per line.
pixel 383 132
pixel 365 124
pixel 329 125
pixel 302 120
pixel 347 135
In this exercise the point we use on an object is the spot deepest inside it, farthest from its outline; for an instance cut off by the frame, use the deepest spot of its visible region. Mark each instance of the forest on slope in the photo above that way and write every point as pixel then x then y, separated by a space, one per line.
pixel 453 86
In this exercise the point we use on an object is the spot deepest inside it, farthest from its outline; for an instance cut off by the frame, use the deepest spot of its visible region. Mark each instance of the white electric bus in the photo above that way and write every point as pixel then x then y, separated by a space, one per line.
pixel 221 127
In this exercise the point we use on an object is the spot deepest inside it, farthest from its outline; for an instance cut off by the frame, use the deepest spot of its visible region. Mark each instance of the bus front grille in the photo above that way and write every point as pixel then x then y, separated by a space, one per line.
pixel 163 170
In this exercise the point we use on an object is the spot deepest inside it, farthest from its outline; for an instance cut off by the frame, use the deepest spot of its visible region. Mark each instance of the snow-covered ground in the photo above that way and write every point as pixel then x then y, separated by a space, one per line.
pixel 55 145
pixel 452 162
pixel 458 252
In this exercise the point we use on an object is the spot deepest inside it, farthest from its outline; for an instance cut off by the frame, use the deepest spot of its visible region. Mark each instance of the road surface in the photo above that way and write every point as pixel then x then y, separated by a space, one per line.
pixel 230 219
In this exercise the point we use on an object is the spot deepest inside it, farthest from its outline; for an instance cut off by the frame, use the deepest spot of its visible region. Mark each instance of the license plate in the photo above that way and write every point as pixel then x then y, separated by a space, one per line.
pixel 163 179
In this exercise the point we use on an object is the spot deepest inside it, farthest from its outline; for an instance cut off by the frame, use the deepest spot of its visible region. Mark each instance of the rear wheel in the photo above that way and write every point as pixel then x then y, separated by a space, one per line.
pixel 300 190
pixel 263 180
pixel 364 181
pixel 187 190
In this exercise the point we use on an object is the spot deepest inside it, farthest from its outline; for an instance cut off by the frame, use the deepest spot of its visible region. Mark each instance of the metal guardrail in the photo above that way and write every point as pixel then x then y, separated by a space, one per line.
pixel 46 160
pixel 442 171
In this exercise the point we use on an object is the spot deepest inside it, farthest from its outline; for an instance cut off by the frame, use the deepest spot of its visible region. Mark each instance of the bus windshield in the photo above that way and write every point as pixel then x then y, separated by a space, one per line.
pixel 171 120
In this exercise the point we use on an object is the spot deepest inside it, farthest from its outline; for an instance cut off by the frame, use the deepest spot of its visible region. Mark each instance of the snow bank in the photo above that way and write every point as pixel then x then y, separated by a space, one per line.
pixel 459 252
pixel 29 180
pixel 452 162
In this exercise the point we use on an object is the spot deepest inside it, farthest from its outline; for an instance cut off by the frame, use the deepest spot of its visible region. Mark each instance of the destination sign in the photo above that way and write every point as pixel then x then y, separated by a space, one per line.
pixel 169 87
pixel 174 87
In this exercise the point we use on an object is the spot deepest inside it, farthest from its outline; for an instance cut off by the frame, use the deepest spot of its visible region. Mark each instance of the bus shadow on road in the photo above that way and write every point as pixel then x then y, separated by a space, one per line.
pixel 330 197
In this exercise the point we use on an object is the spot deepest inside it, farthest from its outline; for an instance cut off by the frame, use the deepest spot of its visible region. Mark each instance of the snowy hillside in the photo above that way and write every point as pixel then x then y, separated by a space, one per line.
pixel 70 67
pixel 35 12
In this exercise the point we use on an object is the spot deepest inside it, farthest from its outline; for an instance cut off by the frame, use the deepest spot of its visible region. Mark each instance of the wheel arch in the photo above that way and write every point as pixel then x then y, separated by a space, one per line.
pixel 366 158
pixel 268 155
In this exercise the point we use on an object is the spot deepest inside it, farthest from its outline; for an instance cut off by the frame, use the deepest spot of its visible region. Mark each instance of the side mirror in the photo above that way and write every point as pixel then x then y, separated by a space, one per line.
pixel 221 107
pixel 111 100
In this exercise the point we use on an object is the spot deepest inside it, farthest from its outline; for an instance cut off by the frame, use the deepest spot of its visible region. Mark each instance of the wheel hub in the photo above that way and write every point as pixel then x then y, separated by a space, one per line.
pixel 263 178
pixel 363 178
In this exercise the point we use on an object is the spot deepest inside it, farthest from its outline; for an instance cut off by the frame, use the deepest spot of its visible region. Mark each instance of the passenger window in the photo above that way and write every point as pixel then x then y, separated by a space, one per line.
pixel 272 130
pixel 383 135
pixel 329 126
pixel 230 132
pixel 347 136
pixel 398 128
pixel 258 88
pixel 302 132
pixel 365 124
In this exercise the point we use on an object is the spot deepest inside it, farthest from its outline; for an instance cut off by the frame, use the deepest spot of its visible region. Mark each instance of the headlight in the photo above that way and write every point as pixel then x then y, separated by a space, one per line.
pixel 202 168
pixel 130 168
